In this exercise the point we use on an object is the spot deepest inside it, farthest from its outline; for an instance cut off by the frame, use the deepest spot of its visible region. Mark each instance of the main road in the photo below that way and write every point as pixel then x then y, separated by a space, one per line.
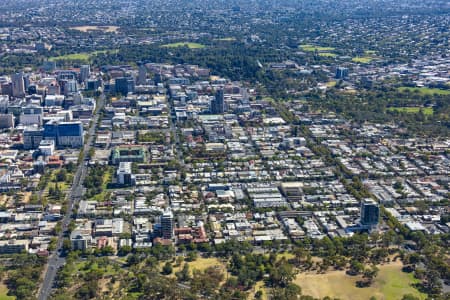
pixel 57 259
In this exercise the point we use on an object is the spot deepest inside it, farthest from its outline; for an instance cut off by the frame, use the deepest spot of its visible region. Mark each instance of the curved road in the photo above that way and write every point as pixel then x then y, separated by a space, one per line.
pixel 55 260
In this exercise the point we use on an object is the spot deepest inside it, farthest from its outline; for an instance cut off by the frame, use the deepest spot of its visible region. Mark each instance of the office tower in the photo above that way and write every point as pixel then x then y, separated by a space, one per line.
pixel 6 121
pixel 218 103
pixel 142 76
pixel 85 72
pixel 167 224
pixel 32 115
pixel 370 213
pixel 66 75
pixel 65 134
pixel 26 81
pixel 32 137
pixel 124 85
pixel 6 88
pixel 32 89
pixel 125 174
pixel 18 85
pixel 69 87
pixel 341 73
pixel 93 84
pixel 4 103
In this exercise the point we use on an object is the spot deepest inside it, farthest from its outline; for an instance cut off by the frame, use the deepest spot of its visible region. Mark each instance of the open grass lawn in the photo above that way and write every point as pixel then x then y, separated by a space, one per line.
pixel 312 48
pixel 81 265
pixel 424 90
pixel 327 54
pixel 4 292
pixel 75 56
pixel 390 284
pixel 362 59
pixel 227 39
pixel 201 264
pixel 107 178
pixel 184 44
pixel 428 111
pixel 84 56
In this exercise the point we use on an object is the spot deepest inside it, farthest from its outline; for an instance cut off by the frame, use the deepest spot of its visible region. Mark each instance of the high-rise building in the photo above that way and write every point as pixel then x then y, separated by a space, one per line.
pixel 66 75
pixel 341 73
pixel 124 85
pixel 6 121
pixel 69 87
pixel 218 103
pixel 32 115
pixel 65 134
pixel 85 72
pixel 125 174
pixel 370 213
pixel 6 88
pixel 18 85
pixel 32 137
pixel 167 224
pixel 26 81
pixel 142 76
pixel 93 84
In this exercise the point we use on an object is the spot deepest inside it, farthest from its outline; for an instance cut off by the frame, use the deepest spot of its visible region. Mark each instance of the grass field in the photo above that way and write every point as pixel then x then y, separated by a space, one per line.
pixel 184 44
pixel 424 90
pixel 327 54
pixel 4 292
pixel 75 56
pixel 362 59
pixel 109 270
pixel 390 284
pixel 227 39
pixel 80 56
pixel 428 111
pixel 312 48
pixel 202 264
pixel 285 255
pixel 107 177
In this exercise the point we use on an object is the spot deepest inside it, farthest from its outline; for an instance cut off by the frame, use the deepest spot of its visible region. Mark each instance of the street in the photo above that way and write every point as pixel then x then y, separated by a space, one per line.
pixel 56 260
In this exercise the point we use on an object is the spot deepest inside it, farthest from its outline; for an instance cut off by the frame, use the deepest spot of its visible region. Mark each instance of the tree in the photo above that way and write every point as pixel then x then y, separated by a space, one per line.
pixel 155 287
pixel 167 269
pixel 191 256
pixel 67 245
pixel 432 282
pixel 258 294
pixel 282 274
pixel 398 186
pixel 355 267
pixel 369 274
pixel 124 250
pixel 61 175
pixel 206 282
pixel 290 292
pixel 409 297
pixel 107 250
pixel 183 275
